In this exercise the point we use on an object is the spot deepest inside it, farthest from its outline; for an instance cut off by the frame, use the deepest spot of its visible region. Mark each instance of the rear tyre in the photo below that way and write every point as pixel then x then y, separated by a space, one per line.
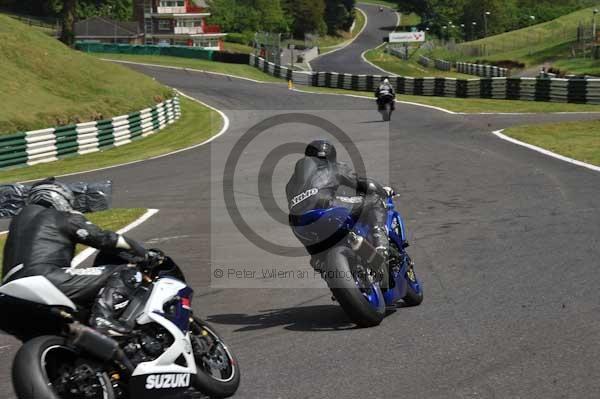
pixel 44 369
pixel 361 300
pixel 218 371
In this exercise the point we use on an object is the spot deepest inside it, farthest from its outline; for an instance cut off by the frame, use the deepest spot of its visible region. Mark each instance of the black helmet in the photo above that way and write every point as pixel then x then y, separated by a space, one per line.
pixel 51 193
pixel 321 149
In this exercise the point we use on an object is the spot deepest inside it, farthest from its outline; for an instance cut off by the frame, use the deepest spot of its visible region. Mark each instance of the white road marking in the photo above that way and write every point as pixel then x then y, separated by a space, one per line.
pixel 221 132
pixel 158 240
pixel 447 110
pixel 499 134
pixel 373 100
pixel 86 253
pixel 184 69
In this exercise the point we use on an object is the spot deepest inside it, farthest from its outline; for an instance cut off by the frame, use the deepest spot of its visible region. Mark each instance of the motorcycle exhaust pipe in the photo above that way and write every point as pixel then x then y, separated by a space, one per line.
pixel 99 345
pixel 365 249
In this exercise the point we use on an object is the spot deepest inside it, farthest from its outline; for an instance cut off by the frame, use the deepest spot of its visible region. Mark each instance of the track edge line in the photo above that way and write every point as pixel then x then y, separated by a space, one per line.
pixel 499 134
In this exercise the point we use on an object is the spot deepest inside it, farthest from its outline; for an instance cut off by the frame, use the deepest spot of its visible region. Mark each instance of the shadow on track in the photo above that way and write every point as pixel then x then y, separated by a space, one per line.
pixel 306 318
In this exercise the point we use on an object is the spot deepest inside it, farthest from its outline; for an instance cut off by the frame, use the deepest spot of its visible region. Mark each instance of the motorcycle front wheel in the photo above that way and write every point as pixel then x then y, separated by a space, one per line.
pixel 218 373
pixel 387 112
pixel 48 368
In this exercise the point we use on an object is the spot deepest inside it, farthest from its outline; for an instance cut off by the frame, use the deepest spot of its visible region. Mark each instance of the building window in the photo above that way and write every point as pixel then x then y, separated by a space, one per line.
pixel 207 43
pixel 189 23
pixel 164 24
pixel 172 3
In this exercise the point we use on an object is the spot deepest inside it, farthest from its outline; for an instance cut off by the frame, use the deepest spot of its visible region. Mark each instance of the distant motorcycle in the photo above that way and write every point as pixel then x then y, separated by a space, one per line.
pixel 169 351
pixel 347 264
pixel 385 104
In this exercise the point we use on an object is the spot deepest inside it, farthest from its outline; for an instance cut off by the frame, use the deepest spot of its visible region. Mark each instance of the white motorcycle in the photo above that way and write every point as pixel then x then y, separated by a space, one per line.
pixel 169 353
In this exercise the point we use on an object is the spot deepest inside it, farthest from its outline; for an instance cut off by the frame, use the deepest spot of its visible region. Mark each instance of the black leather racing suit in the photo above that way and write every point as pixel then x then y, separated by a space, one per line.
pixel 385 89
pixel 41 241
pixel 318 183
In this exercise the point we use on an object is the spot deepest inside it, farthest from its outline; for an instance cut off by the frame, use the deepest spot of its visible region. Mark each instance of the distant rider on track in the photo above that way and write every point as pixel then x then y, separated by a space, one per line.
pixel 383 90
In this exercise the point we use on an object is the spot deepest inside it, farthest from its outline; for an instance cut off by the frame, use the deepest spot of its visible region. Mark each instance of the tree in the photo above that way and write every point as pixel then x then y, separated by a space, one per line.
pixel 271 16
pixel 338 15
pixel 308 16
pixel 248 15
pixel 67 34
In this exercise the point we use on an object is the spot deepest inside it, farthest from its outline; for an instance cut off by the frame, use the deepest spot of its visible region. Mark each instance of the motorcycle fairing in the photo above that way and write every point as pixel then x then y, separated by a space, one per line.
pixel 165 290
pixel 310 227
pixel 37 289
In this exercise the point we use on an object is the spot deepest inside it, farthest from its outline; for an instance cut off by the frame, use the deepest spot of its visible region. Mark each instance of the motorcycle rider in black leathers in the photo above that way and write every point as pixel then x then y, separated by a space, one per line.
pixel 385 89
pixel 41 242
pixel 320 182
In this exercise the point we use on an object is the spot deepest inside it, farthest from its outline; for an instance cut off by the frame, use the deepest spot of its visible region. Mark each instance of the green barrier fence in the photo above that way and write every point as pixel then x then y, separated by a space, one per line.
pixel 173 51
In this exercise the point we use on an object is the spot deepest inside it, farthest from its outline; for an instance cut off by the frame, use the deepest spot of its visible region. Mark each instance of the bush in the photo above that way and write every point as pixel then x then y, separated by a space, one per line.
pixel 245 38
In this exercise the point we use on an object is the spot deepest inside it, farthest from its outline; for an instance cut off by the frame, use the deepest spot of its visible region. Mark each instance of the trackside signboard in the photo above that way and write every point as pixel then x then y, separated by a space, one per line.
pixel 407 37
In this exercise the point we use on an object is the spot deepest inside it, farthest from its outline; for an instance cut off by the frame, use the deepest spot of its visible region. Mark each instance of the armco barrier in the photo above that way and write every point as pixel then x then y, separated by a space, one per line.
pixel 442 65
pixel 488 71
pixel 426 62
pixel 584 91
pixel 47 145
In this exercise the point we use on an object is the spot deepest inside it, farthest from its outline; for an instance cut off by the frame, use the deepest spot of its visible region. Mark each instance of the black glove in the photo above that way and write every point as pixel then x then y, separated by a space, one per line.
pixel 154 256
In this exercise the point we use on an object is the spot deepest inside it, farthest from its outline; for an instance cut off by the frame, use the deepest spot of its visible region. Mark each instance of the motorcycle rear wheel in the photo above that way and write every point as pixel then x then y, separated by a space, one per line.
pixel 43 362
pixel 350 296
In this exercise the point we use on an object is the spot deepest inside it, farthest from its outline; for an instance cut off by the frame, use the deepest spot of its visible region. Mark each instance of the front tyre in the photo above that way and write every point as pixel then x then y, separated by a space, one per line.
pixel 218 371
pixel 414 289
pixel 386 113
pixel 361 299
pixel 48 368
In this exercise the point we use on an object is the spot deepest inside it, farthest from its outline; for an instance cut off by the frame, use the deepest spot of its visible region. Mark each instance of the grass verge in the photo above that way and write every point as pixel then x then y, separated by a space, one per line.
pixel 471 105
pixel 244 71
pixel 577 140
pixel 407 68
pixel 112 219
pixel 45 83
pixel 237 48
pixel 197 123
pixel 549 43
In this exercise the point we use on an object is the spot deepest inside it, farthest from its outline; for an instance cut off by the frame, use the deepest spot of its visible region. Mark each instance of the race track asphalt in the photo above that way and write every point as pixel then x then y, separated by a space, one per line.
pixel 348 59
pixel 506 242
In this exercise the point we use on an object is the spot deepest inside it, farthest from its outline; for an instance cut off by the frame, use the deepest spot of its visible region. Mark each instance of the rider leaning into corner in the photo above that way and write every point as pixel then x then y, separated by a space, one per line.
pixel 320 182
pixel 385 89
pixel 41 242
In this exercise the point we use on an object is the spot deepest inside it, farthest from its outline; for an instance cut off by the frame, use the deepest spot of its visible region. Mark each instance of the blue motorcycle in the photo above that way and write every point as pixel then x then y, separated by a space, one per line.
pixel 345 258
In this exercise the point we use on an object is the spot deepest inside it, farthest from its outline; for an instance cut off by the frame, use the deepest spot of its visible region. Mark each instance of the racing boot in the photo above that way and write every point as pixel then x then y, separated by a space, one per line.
pixel 382 246
pixel 111 302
